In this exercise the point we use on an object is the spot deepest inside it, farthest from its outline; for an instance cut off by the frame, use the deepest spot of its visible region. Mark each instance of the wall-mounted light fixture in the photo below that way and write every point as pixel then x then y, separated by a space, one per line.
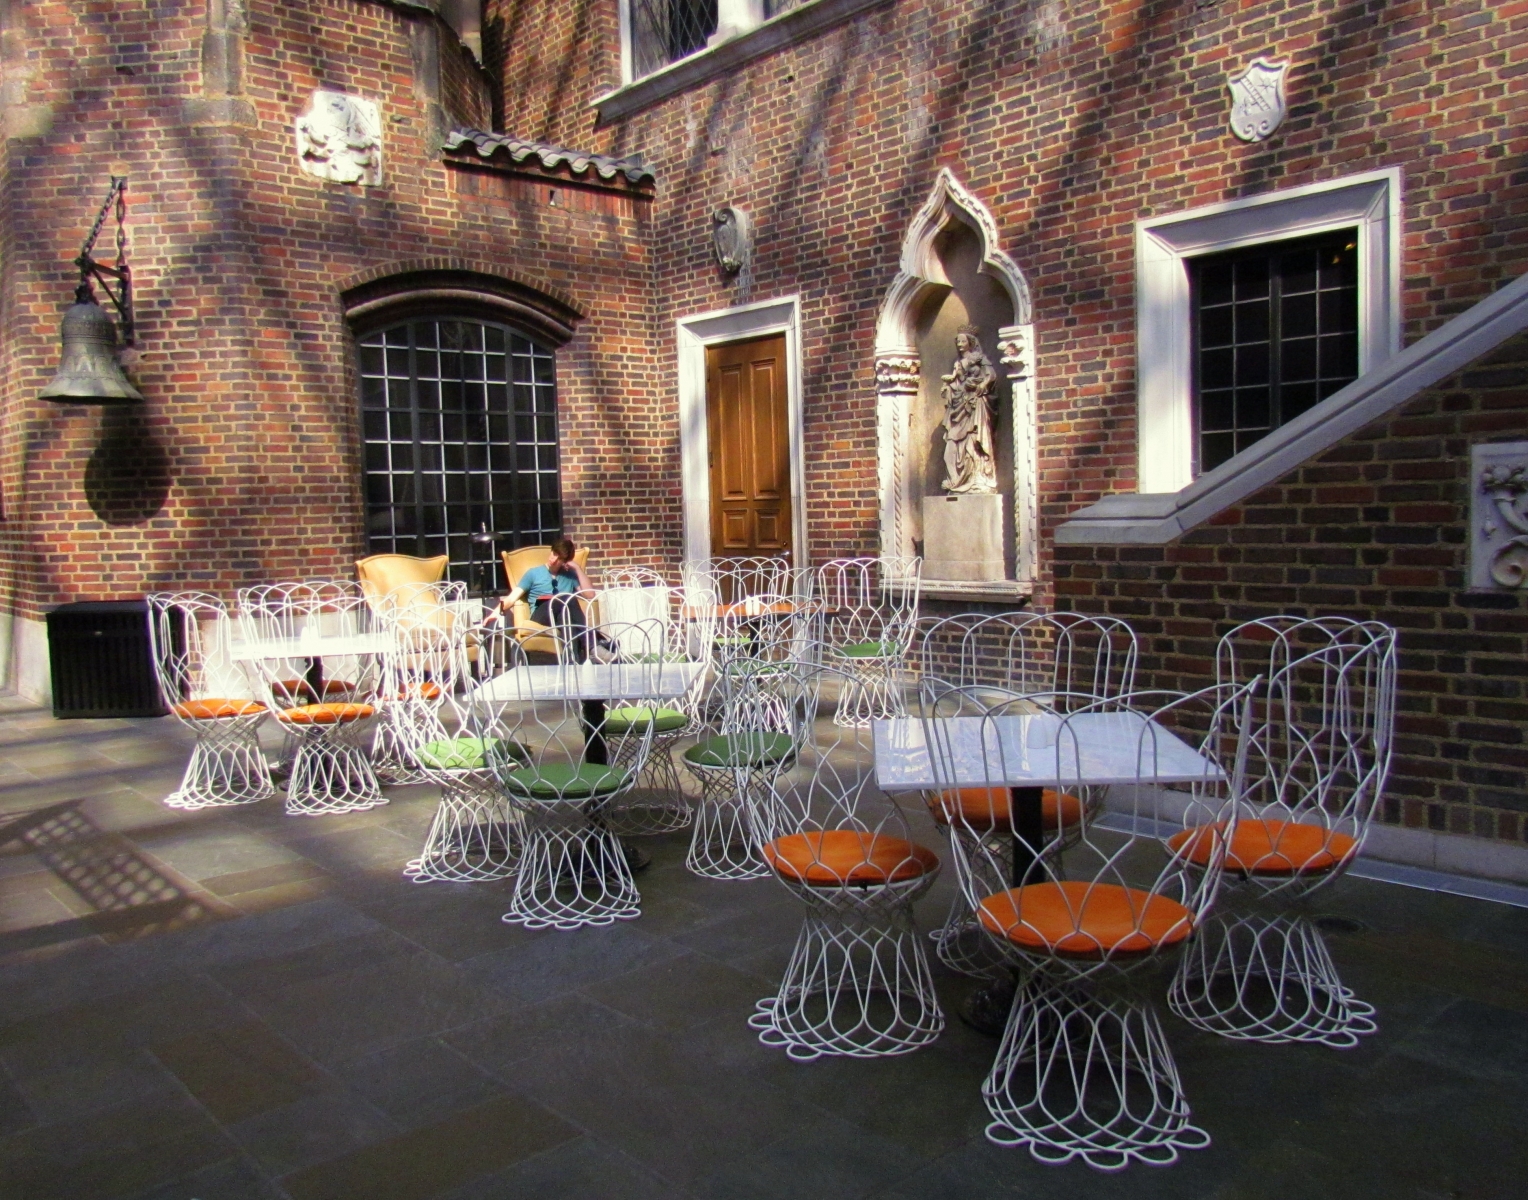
pixel 88 370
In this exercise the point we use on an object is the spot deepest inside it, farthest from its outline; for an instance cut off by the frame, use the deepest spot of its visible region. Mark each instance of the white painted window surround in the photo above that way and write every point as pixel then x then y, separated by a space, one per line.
pixel 694 334
pixel 743 33
pixel 1370 202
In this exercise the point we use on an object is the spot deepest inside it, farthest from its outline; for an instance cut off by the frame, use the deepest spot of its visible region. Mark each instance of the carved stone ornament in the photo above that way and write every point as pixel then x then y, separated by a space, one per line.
pixel 1499 522
pixel 731 238
pixel 1257 99
pixel 968 395
pixel 897 374
pixel 339 139
pixel 1013 353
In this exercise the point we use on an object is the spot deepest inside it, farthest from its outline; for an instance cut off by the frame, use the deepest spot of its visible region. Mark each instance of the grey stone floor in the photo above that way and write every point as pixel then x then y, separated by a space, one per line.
pixel 239 1004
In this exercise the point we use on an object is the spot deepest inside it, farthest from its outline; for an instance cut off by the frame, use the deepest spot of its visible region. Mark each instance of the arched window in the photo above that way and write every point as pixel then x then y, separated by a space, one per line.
pixel 459 419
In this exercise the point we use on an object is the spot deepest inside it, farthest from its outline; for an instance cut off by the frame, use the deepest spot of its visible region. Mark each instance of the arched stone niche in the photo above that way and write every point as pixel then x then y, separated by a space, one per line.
pixel 952 271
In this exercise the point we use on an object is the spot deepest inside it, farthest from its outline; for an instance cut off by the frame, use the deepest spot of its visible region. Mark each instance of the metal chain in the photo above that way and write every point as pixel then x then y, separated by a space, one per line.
pixel 118 193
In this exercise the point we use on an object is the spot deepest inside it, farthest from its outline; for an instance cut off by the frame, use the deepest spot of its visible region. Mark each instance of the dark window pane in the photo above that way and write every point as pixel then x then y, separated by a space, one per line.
pixel 1252 408
pixel 1217 411
pixel 1215 281
pixel 1252 321
pixel 1298 361
pixel 1339 358
pixel 1298 314
pixel 1216 327
pixel 1296 399
pixel 1299 270
pixel 1252 364
pixel 1252 278
pixel 1215 448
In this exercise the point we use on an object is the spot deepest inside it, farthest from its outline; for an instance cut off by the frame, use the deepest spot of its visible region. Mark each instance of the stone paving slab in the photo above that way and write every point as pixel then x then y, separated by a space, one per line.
pixel 273 1012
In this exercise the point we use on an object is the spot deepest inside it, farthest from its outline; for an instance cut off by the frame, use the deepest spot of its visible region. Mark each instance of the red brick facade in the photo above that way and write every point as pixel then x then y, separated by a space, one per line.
pixel 1069 121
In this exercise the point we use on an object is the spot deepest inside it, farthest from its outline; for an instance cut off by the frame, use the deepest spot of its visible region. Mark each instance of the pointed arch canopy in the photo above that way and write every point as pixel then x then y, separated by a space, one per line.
pixel 922 273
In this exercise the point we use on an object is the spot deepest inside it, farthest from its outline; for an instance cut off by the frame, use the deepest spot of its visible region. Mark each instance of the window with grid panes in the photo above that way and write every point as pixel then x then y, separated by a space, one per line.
pixel 459 419
pixel 1275 330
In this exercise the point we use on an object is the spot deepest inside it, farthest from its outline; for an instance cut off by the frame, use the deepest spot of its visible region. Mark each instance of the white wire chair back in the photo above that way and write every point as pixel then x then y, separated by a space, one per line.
pixel 767 628
pixel 629 609
pixel 1115 900
pixel 1060 660
pixel 190 634
pixel 425 668
pixel 1320 744
pixel 737 579
pixel 633 577
pixel 870 604
pixel 302 615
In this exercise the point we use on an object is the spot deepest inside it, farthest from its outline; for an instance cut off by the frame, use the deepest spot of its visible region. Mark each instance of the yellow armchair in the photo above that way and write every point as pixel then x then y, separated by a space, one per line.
pixel 532 634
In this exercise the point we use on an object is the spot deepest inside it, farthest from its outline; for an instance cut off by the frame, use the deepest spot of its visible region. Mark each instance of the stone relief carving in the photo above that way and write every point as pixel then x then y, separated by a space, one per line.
pixel 1013 352
pixel 968 394
pixel 1257 99
pixel 731 238
pixel 1499 534
pixel 897 374
pixel 339 139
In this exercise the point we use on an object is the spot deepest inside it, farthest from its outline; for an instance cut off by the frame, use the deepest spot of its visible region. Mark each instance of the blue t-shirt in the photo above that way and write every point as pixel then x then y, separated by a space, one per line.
pixel 539 583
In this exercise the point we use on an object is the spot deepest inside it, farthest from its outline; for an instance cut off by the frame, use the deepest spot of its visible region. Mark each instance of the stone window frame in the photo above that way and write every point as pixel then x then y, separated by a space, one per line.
pixel 1369 202
pixel 742 35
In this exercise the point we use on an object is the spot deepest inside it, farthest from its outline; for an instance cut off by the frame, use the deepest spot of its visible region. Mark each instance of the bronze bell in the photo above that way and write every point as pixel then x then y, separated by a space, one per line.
pixel 88 371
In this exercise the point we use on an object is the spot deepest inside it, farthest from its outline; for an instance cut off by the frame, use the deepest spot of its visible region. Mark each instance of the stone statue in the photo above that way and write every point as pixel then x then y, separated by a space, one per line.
pixel 339 138
pixel 968 396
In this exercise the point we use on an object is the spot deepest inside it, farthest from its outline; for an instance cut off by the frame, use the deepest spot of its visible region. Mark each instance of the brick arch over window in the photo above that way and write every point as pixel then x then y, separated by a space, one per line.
pixel 396 291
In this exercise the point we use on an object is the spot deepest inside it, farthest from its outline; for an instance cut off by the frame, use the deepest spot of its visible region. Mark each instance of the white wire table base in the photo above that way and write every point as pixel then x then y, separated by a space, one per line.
pixel 573 872
pixel 722 844
pixel 657 804
pixel 1260 978
pixel 870 692
pixel 858 983
pixel 476 834
pixel 961 943
pixel 1084 1072
pixel 227 765
pixel 331 773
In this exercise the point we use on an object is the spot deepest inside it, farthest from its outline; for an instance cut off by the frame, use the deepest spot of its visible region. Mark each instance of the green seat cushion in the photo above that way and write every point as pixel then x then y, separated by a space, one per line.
pixel 624 720
pixel 565 781
pixel 867 650
pixel 740 750
pixel 467 753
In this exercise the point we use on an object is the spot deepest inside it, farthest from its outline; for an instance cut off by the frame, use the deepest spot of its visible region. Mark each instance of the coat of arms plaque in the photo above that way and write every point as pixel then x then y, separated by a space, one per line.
pixel 1257 99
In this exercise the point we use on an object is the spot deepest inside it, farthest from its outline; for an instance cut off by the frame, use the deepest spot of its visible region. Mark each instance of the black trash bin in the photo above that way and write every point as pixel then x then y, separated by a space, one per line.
pixel 102 661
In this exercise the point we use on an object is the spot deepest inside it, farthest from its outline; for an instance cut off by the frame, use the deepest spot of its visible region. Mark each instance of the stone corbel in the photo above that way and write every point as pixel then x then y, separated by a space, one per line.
pixel 897 380
pixel 18 118
pixel 1015 344
pixel 222 101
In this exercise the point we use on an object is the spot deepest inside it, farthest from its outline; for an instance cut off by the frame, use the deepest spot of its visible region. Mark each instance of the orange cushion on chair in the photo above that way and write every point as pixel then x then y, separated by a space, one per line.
pixel 988 808
pixel 838 856
pixel 1085 920
pixel 1268 847
pixel 210 710
pixel 324 714
pixel 424 690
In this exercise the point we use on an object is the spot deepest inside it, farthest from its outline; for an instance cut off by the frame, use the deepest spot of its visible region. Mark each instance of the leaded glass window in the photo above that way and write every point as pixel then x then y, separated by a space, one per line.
pixel 664 31
pixel 459 421
pixel 1275 331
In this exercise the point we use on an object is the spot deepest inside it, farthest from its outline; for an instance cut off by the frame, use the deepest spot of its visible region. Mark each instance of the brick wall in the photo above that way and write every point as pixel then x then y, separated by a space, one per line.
pixel 1376 527
pixel 243 466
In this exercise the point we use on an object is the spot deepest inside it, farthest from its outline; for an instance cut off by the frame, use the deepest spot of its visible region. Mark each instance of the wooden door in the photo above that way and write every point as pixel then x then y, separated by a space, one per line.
pixel 749 443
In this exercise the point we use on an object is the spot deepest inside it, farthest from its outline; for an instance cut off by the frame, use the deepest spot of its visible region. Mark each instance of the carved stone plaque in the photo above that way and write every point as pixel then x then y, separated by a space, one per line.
pixel 339 139
pixel 1257 99
pixel 731 238
pixel 1499 516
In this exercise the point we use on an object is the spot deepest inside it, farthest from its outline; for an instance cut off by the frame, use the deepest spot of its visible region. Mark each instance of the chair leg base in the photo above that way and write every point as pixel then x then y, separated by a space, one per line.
pixel 329 778
pixel 569 878
pixel 853 987
pixel 1271 979
pixel 474 837
pixel 658 803
pixel 227 767
pixel 721 844
pixel 1084 1074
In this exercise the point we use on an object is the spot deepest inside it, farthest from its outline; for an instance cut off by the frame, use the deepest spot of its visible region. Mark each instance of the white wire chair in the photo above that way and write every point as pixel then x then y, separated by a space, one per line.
pixel 633 577
pixel 1320 754
pixel 404 612
pixel 870 612
pixel 658 803
pixel 858 981
pixel 569 767
pixel 735 580
pixel 321 672
pixel 750 734
pixel 1083 1069
pixel 189 634
pixel 1053 662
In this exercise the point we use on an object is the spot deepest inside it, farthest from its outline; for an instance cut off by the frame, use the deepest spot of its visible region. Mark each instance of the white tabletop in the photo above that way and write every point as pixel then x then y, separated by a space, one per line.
pixel 315 646
pixel 1022 751
pixel 590 681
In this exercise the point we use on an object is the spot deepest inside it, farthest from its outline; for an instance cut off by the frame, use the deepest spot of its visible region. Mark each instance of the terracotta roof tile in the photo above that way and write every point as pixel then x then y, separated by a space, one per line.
pixel 549 157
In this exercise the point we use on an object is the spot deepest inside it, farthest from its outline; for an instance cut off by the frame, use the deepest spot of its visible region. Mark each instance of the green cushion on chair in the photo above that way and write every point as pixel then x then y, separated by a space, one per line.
pixel 624 720
pixel 565 781
pixel 867 650
pixel 466 753
pixel 740 750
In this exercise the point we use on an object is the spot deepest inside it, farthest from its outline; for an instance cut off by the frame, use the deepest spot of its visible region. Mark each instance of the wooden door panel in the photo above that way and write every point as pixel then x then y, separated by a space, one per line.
pixel 746 419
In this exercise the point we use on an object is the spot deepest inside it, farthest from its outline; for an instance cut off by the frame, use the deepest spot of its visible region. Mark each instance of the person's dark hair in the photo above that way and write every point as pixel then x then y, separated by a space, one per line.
pixel 563 548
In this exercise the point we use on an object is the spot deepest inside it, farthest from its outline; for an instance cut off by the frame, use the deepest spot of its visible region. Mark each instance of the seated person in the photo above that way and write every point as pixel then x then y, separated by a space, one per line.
pixel 554 591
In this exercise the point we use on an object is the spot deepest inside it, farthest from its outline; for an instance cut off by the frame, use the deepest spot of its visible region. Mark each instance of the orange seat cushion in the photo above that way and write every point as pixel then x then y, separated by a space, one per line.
pixel 210 710
pixel 1268 847
pixel 324 714
pixel 425 689
pixel 988 808
pixel 838 856
pixel 1085 920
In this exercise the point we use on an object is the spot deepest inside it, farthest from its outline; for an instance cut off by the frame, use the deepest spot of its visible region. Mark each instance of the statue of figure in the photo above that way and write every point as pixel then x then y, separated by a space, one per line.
pixel 967 396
